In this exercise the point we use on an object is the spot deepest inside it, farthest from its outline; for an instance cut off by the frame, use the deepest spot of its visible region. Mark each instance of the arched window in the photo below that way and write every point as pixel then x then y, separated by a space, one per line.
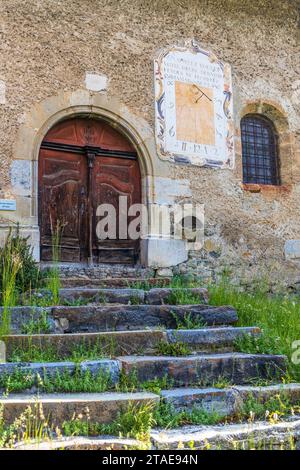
pixel 259 150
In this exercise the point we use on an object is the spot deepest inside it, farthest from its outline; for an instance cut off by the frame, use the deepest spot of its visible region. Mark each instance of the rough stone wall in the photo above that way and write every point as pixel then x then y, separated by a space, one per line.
pixel 47 46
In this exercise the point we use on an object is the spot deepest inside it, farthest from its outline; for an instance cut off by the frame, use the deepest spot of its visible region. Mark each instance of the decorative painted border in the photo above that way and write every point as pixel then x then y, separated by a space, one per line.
pixel 160 126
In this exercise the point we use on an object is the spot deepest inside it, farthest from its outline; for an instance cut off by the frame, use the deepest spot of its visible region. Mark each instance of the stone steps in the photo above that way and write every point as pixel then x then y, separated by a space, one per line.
pixel 156 296
pixel 100 271
pixel 200 370
pixel 117 282
pixel 228 402
pixel 131 342
pixel 237 368
pixel 82 443
pixel 112 343
pixel 245 436
pixel 97 318
pixel 262 435
pixel 102 407
pixel 90 318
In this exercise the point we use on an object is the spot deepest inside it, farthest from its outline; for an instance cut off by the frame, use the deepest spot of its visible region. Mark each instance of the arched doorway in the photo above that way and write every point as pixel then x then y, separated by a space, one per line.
pixel 84 163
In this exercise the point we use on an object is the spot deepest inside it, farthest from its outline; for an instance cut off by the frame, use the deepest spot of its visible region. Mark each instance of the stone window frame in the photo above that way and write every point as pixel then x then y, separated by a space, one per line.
pixel 278 117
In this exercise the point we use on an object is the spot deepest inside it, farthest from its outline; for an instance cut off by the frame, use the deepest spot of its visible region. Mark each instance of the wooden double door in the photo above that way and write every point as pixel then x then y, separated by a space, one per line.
pixel 84 164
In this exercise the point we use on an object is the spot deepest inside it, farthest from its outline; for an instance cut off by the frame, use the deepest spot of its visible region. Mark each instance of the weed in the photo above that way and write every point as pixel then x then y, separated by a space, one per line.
pixel 188 322
pixel 135 300
pixel 272 409
pixel 39 325
pixel 130 383
pixel 173 349
pixel 34 353
pixel 166 416
pixel 32 425
pixel 135 421
pixel 277 316
pixel 183 297
pixel 77 302
pixel 83 351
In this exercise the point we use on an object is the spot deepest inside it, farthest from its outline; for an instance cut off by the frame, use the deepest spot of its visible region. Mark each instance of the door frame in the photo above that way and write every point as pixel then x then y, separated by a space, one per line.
pixel 43 115
pixel 138 133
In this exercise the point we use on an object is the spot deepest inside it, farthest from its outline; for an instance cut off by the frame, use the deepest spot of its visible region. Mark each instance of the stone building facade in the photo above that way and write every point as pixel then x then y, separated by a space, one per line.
pixel 94 58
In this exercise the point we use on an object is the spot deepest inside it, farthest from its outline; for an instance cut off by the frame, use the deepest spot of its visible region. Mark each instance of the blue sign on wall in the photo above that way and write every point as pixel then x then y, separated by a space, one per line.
pixel 8 205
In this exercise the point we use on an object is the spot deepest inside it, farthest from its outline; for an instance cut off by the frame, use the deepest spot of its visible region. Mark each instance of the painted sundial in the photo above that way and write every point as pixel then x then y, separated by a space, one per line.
pixel 193 107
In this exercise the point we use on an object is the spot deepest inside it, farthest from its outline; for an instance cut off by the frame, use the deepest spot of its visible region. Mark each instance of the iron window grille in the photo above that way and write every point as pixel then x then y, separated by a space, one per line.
pixel 259 150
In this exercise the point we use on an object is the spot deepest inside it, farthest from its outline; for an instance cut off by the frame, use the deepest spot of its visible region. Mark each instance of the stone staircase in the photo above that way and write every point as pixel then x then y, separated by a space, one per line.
pixel 139 331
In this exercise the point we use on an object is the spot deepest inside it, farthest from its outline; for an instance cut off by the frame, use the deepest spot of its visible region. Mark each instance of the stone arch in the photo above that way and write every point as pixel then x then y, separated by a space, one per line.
pixel 278 116
pixel 44 115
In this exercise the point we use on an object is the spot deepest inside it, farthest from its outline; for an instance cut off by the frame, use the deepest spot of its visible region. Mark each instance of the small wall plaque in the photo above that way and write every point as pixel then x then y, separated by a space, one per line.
pixel 8 205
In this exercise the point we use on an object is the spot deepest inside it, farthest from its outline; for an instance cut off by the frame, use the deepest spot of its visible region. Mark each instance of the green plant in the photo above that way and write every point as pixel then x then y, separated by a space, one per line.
pixel 134 421
pixel 180 281
pixel 173 349
pixel 78 382
pixel 10 266
pixel 262 344
pixel 83 351
pixel 135 300
pixel 64 382
pixel 182 296
pixel 272 409
pixel 36 325
pixel 34 353
pixel 166 416
pixel 17 250
pixel 31 425
pixel 188 322
pixel 53 283
pixel 277 316
pixel 130 383
pixel 17 381
pixel 77 302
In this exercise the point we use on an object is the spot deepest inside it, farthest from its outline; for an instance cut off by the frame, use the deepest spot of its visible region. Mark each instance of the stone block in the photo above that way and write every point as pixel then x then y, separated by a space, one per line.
pixel 108 344
pixel 211 338
pixel 107 367
pixel 221 401
pixel 160 296
pixel 101 407
pixel 162 253
pixel 92 318
pixel 204 369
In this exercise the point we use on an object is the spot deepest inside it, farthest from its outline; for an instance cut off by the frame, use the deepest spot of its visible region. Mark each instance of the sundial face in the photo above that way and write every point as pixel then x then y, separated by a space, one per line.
pixel 194 108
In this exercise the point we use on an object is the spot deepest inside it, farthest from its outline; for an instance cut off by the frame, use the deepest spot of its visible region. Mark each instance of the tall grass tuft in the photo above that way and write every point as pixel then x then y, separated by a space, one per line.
pixel 53 282
pixel 277 316
pixel 11 264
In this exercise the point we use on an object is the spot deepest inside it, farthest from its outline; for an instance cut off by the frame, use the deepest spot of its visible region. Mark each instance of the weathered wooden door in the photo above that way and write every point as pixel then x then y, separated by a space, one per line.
pixel 113 179
pixel 84 163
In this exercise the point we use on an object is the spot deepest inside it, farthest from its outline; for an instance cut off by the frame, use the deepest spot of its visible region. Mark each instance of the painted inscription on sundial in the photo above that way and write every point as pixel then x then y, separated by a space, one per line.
pixel 194 108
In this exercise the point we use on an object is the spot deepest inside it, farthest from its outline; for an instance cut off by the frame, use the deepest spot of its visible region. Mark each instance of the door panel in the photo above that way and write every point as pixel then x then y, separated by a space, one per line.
pixel 62 197
pixel 114 177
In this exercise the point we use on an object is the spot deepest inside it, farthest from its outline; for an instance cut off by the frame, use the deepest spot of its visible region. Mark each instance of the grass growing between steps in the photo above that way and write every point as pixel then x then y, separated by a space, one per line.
pixel 65 382
pixel 84 351
pixel 137 421
pixel 188 322
pixel 173 349
pixel 277 316
pixel 167 417
pixel 36 326
pixel 273 410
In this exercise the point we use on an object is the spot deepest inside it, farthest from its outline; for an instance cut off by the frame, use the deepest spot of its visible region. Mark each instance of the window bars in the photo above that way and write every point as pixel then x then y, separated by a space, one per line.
pixel 259 150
